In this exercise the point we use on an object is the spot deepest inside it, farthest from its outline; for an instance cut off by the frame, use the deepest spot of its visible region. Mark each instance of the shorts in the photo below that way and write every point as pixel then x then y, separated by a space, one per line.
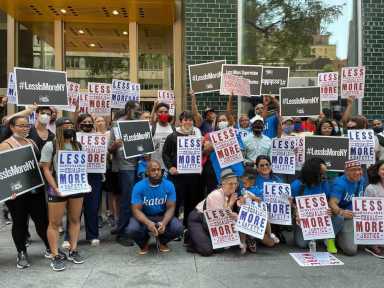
pixel 58 199
pixel 113 184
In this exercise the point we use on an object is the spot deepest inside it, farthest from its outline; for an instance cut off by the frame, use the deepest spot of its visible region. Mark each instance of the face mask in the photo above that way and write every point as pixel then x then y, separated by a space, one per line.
pixel 86 127
pixel 44 119
pixel 164 118
pixel 288 129
pixel 222 124
pixel 378 129
pixel 337 129
pixel 17 135
pixel 69 133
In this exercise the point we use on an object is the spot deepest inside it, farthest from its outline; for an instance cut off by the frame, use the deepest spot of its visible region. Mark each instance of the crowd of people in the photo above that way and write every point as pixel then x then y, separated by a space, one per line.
pixel 147 196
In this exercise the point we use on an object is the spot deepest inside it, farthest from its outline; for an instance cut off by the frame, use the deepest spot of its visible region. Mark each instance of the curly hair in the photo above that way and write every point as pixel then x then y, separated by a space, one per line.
pixel 310 174
pixel 373 172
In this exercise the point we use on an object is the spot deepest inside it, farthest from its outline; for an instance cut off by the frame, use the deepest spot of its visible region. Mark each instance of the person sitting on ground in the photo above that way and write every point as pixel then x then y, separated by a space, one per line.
pixel 153 208
pixel 351 184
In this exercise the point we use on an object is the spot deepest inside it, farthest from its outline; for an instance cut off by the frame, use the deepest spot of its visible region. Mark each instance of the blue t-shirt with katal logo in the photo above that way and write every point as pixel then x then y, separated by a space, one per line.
pixel 153 198
pixel 343 190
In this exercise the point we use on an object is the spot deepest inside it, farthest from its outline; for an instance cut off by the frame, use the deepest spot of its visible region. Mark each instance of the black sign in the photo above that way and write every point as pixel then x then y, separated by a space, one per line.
pixel 19 172
pixel 300 102
pixel 205 77
pixel 333 150
pixel 137 137
pixel 273 79
pixel 251 72
pixel 43 87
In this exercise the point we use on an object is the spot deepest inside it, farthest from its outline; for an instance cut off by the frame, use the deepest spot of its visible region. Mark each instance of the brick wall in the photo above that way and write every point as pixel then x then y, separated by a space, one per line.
pixel 210 34
pixel 373 57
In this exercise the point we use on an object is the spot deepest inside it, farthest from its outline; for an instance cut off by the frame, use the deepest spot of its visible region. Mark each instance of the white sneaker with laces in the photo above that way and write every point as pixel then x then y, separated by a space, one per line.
pixel 95 242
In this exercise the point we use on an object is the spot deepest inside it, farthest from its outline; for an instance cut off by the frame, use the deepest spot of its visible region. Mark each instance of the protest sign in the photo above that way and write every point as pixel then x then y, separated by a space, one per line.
pixel 315 259
pixel 99 98
pixel 134 91
pixel 72 172
pixel 368 220
pixel 120 93
pixel 226 147
pixel 189 154
pixel 252 73
pixel 168 97
pixel 11 89
pixel 315 222
pixel 299 151
pixel 19 172
pixel 73 90
pixel 352 82
pixel 43 87
pixel 235 85
pixel 333 150
pixel 205 77
pixel 329 86
pixel 273 79
pixel 300 102
pixel 137 137
pixel 95 144
pixel 362 146
pixel 221 228
pixel 283 155
pixel 276 196
pixel 83 102
pixel 252 219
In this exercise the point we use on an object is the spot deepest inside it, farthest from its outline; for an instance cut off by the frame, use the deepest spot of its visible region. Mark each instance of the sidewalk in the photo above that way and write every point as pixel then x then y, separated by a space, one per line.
pixel 111 265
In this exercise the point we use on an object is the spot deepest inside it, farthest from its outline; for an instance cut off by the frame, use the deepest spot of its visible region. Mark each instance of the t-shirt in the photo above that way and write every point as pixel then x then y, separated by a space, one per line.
pixel 270 126
pixel 296 185
pixel 343 190
pixel 47 151
pixel 153 198
pixel 161 134
pixel 215 200
pixel 374 190
pixel 37 139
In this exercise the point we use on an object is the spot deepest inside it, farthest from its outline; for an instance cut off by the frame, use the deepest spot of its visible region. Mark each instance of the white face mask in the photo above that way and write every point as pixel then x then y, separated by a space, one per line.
pixel 17 135
pixel 222 124
pixel 44 119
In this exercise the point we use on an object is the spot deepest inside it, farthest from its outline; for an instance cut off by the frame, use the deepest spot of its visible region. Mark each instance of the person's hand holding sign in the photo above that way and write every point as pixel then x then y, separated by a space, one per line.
pixel 347 214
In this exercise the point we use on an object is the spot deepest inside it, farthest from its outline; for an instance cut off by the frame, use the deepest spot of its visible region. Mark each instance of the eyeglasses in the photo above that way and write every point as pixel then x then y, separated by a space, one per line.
pixel 28 126
pixel 231 184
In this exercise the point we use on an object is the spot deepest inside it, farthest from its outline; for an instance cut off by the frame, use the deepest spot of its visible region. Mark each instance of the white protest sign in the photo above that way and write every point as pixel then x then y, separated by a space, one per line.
pixel 299 152
pixel 362 146
pixel 72 172
pixel 315 259
pixel 239 86
pixel 134 91
pixel 221 228
pixel 83 102
pixel 95 144
pixel 276 196
pixel 11 89
pixel 353 82
pixel 252 219
pixel 99 98
pixel 283 155
pixel 73 90
pixel 168 97
pixel 121 93
pixel 189 154
pixel 368 220
pixel 226 147
pixel 329 86
pixel 315 222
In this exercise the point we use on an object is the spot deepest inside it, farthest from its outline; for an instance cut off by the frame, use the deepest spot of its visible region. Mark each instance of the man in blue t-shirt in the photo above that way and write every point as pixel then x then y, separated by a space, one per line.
pixel 351 184
pixel 153 208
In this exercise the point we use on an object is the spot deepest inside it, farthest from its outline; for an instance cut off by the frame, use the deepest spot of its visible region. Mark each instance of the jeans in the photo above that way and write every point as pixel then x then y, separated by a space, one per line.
pixel 344 232
pixel 140 233
pixel 91 206
pixel 126 181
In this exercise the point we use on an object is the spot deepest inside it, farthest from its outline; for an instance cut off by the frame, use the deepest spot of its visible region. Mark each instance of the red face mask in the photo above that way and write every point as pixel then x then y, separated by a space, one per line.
pixel 163 118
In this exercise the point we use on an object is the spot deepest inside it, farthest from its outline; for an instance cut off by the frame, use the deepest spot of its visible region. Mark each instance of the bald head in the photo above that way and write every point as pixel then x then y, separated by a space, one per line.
pixel 154 171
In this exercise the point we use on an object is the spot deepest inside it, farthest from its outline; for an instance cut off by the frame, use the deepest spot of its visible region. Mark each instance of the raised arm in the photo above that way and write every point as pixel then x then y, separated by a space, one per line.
pixel 348 111
pixel 196 115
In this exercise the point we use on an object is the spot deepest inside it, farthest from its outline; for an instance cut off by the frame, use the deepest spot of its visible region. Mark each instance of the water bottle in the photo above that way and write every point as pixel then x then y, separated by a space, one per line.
pixel 312 246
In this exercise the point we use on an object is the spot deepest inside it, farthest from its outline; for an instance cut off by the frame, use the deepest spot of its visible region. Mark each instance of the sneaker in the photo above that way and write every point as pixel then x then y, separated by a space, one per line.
pixel 22 260
pixel 178 239
pixel 243 248
pixel 374 251
pixel 28 242
pixel 163 248
pixel 274 238
pixel 48 254
pixel 57 263
pixel 95 242
pixel 331 246
pixel 124 241
pixel 75 257
pixel 144 250
pixel 66 245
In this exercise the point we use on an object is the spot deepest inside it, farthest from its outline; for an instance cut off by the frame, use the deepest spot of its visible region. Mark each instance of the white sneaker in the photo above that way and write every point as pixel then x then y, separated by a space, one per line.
pixel 66 245
pixel 275 239
pixel 95 242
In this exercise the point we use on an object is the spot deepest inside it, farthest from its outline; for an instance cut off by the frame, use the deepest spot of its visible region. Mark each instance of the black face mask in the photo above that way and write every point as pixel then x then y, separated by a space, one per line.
pixel 86 127
pixel 378 129
pixel 69 133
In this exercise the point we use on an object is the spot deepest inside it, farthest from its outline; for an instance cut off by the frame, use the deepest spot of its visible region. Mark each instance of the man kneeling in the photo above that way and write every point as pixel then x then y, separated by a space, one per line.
pixel 153 207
